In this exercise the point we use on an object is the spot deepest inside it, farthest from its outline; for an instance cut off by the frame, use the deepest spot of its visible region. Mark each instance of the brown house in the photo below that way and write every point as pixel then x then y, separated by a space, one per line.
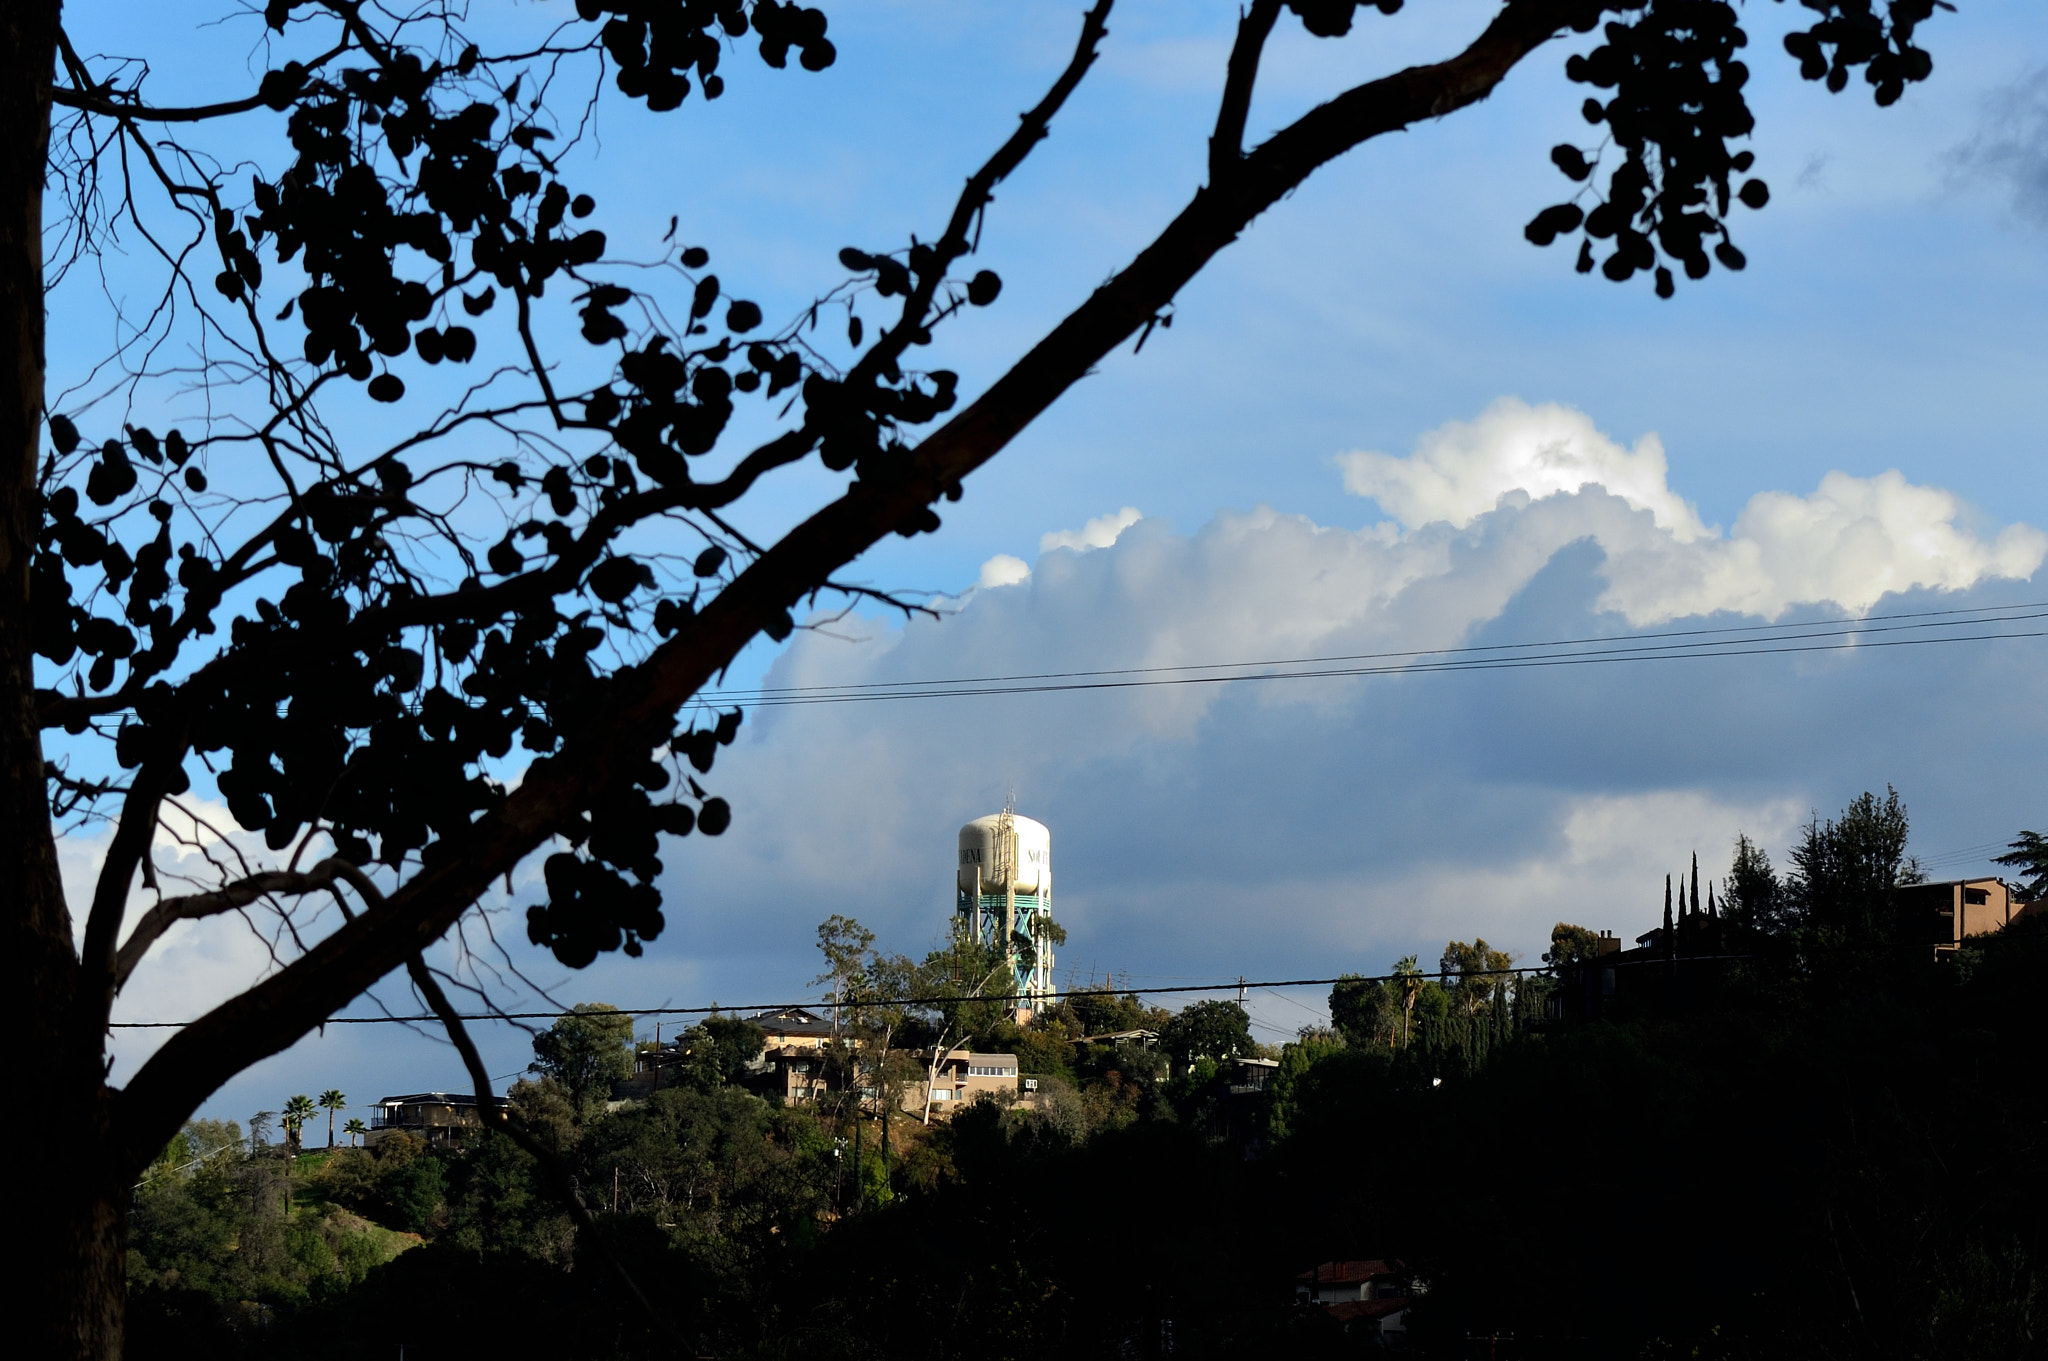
pixel 958 1078
pixel 1946 914
pixel 437 1117
pixel 792 1065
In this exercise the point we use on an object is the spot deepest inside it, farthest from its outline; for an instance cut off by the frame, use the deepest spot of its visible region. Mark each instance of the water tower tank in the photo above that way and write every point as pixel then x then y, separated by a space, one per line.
pixel 1003 891
pixel 980 852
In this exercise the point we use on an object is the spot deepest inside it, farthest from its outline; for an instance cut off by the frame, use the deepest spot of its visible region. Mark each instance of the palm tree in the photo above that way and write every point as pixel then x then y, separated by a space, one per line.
pixel 1408 972
pixel 296 1112
pixel 355 1130
pixel 332 1101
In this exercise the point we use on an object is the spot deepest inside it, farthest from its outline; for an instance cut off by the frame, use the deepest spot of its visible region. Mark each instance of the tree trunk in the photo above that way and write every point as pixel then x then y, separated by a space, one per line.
pixel 74 1216
pixel 71 1211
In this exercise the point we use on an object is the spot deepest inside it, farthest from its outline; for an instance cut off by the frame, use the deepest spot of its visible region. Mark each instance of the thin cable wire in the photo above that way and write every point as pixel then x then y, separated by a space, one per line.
pixel 1764 640
pixel 1965 854
pixel 1232 985
pixel 1981 614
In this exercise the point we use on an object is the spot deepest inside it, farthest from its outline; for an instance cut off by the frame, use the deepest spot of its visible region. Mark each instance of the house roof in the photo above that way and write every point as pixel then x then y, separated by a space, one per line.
pixel 801 1015
pixel 1347 1273
pixel 1110 1037
pixel 1955 883
pixel 791 1021
pixel 430 1099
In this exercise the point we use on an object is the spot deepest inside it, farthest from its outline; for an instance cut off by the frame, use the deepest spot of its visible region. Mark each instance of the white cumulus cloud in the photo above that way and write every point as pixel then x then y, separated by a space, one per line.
pixel 1100 532
pixel 1462 469
pixel 1003 570
pixel 1851 542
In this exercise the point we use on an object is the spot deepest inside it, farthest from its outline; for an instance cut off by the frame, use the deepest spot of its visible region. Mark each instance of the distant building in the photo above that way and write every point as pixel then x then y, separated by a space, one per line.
pixel 799 1064
pixel 958 1078
pixel 790 1068
pixel 1252 1075
pixel 792 1064
pixel 1944 915
pixel 1373 1294
pixel 437 1117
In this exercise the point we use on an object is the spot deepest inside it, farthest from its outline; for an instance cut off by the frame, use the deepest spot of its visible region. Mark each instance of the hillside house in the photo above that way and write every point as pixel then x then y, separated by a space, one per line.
pixel 438 1117
pixel 960 1077
pixel 1373 1295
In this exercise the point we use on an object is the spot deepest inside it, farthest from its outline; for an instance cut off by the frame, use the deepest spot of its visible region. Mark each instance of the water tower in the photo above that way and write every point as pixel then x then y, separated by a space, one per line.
pixel 1003 895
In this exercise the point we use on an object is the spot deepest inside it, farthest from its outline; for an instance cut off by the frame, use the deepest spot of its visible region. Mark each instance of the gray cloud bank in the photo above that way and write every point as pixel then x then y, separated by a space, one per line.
pixel 1299 828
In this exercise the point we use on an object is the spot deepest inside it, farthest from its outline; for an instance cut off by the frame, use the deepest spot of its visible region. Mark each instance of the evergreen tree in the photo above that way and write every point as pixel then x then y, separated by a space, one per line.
pixel 2029 854
pixel 1846 869
pixel 1751 894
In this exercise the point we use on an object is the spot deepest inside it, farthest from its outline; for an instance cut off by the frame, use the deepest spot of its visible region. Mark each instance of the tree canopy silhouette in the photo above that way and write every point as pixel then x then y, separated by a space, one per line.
pixel 413 628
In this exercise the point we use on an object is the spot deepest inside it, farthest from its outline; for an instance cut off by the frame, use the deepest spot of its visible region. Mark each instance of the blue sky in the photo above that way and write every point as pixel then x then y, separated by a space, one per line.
pixel 1857 423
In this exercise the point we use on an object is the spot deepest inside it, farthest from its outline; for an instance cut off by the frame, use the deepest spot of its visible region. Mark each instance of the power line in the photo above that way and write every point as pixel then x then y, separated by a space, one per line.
pixel 1232 986
pixel 1965 854
pixel 1919 628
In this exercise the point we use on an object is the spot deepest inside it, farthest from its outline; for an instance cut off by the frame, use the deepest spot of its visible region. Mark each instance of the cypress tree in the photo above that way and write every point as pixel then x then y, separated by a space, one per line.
pixel 1667 909
pixel 1695 883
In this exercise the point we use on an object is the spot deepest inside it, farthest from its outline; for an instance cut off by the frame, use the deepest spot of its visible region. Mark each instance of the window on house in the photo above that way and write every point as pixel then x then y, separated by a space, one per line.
pixel 1976 896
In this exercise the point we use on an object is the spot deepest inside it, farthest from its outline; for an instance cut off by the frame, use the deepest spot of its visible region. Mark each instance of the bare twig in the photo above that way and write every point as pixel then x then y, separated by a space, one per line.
pixel 323 877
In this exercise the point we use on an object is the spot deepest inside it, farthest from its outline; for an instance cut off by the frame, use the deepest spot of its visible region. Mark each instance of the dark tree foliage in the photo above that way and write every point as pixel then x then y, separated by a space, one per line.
pixel 420 564
pixel 1845 869
pixel 717 1050
pixel 1836 1146
pixel 586 1052
pixel 1677 80
pixel 1751 896
pixel 2029 855
pixel 1361 1010
pixel 1207 1030
pixel 1571 945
